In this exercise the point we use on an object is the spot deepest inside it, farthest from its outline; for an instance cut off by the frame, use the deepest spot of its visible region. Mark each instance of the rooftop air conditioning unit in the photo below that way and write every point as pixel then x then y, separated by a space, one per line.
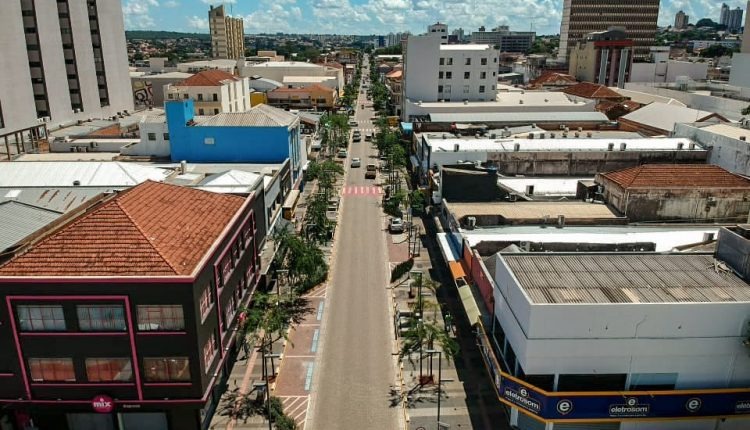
pixel 578 134
pixel 691 145
pixel 512 197
pixel 552 135
pixel 580 129
pixel 562 127
pixel 520 102
pixel 493 136
pixel 531 135
pixel 471 222
pixel 516 147
pixel 610 146
pixel 456 147
pixel 445 136
pixel 560 221
pixel 680 146
pixel 743 138
pixel 529 190
pixel 589 134
pixel 541 135
pixel 623 146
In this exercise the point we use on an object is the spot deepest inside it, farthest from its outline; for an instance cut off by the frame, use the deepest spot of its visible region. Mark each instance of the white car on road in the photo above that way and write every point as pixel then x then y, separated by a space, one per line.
pixel 356 162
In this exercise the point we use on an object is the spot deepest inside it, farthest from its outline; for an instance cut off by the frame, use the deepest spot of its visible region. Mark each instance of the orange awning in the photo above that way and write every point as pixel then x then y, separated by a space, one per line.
pixel 457 271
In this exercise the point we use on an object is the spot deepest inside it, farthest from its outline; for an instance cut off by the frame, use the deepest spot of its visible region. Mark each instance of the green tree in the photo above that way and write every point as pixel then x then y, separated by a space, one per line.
pixel 715 51
pixel 423 335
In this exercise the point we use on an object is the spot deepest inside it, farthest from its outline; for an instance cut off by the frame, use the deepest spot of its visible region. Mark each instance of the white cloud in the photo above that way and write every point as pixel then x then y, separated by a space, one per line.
pixel 197 23
pixel 171 4
pixel 219 1
pixel 138 14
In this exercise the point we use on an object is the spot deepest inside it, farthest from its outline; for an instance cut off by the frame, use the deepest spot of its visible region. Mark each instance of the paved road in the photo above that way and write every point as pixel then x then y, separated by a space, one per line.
pixel 355 368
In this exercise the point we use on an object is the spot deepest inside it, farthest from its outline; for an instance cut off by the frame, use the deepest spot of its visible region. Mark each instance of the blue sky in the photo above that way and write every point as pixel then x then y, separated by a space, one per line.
pixel 377 16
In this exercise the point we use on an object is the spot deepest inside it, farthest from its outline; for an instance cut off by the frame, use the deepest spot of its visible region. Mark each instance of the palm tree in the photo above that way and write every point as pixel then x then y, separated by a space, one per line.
pixel 423 336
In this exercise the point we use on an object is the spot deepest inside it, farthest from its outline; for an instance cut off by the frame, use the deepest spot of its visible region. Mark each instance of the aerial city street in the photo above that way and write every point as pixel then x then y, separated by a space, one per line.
pixel 374 214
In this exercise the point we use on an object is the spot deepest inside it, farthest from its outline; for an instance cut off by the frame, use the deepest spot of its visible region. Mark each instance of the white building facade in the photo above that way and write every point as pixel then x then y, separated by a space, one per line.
pixel 63 61
pixel 434 72
pixel 607 348
pixel 214 95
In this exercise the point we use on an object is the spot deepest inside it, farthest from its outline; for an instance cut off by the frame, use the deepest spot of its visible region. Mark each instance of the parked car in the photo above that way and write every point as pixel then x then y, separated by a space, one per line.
pixel 342 153
pixel 368 137
pixel 353 124
pixel 371 172
pixel 357 138
pixel 396 225
pixel 356 162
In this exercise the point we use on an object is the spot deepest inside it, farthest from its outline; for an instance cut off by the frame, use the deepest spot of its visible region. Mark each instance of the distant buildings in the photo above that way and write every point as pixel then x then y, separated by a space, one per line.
pixel 734 23
pixel 681 20
pixel 603 57
pixel 740 73
pixel 505 40
pixel 581 17
pixel 227 34
pixel 213 92
pixel 62 61
pixel 724 15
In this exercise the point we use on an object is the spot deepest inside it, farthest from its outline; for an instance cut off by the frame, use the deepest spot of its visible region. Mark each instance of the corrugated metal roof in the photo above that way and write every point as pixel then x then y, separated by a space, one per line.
pixel 18 220
pixel 518 117
pixel 60 199
pixel 231 181
pixel 664 116
pixel 87 173
pixel 259 116
pixel 625 278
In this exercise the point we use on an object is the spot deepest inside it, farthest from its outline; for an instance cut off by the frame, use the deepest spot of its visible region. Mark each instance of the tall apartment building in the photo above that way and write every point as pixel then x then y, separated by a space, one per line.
pixel 581 17
pixel 505 40
pixel 724 15
pixel 227 34
pixel 734 22
pixel 62 61
pixel 681 20
pixel 435 71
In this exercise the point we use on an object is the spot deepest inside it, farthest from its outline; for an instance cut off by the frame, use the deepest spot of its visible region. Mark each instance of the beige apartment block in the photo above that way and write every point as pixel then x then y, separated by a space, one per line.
pixel 227 34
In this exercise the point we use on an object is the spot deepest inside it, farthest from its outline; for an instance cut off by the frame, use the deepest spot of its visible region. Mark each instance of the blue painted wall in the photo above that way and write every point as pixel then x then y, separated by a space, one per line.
pixel 198 144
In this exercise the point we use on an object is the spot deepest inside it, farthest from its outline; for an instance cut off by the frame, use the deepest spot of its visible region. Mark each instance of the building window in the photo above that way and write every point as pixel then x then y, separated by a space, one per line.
pixel 165 136
pixel 466 89
pixel 185 96
pixel 446 89
pixel 152 136
pixel 166 369
pixel 52 369
pixel 482 75
pixel 216 111
pixel 216 98
pixel 200 97
pixel 468 61
pixel 101 317
pixel 450 61
pixel 440 88
pixel 442 61
pixel 440 75
pixel 448 75
pixel 200 111
pixel 160 318
pixel 483 61
pixel 170 96
pixel 108 369
pixel 209 351
pixel 41 318
pixel 206 300
pixel 467 75
pixel 481 88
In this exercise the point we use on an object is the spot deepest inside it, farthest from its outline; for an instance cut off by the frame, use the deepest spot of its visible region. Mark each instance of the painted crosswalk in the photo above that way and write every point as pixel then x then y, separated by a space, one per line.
pixel 358 190
pixel 296 408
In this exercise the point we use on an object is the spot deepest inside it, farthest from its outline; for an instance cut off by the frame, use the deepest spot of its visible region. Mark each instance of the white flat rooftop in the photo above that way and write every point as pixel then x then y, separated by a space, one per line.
pixel 544 186
pixel 665 238
pixel 467 47
pixel 558 145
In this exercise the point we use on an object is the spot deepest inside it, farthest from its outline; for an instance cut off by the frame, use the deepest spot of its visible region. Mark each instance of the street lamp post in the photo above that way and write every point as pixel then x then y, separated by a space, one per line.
pixel 439 380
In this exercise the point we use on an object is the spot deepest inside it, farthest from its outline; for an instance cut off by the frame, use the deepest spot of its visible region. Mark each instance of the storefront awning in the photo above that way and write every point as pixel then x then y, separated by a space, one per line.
pixel 469 304
pixel 457 270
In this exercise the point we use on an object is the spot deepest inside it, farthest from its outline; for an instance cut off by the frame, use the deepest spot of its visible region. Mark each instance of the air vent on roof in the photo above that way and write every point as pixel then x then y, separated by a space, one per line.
pixel 531 135
pixel 610 146
pixel 578 134
pixel 552 135
pixel 560 221
pixel 691 145
pixel 456 147
pixel 680 146
pixel 516 147
pixel 76 183
pixel 445 136
pixel 623 146
pixel 589 134
pixel 580 129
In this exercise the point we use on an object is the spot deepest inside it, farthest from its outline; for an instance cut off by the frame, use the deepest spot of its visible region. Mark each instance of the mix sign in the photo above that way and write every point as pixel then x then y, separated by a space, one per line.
pixel 612 405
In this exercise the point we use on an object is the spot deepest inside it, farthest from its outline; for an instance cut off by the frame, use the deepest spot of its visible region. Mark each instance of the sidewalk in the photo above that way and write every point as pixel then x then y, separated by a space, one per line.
pixel 467 398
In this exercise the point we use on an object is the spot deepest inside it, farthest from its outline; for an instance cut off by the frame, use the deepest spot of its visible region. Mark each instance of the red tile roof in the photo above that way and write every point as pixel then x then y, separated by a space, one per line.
pixel 152 229
pixel 207 78
pixel 550 77
pixel 590 90
pixel 396 74
pixel 676 176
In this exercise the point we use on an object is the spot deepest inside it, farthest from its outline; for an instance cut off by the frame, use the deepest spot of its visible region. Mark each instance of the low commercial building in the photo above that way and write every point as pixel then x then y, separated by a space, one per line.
pixel 561 156
pixel 727 142
pixel 616 340
pixel 677 192
pixel 394 83
pixel 279 70
pixel 127 316
pixel 263 134
pixel 481 214
pixel 212 92
pixel 315 96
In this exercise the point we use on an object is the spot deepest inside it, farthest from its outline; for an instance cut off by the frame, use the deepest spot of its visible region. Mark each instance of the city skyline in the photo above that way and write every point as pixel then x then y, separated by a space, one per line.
pixel 376 16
